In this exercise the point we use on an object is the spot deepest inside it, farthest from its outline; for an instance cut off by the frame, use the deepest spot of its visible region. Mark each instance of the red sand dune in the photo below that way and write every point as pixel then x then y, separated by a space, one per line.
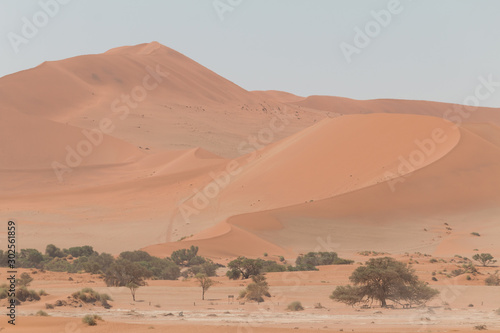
pixel 371 179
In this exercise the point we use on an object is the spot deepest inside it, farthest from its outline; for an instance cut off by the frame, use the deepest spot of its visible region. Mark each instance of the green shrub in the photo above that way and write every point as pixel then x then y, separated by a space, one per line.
pixel 89 295
pixel 295 306
pixel 42 313
pixel 310 260
pixel 256 290
pixel 91 320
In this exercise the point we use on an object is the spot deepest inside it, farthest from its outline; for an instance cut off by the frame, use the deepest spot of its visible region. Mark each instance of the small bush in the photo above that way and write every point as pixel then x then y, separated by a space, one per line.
pixel 265 254
pixel 433 260
pixel 295 306
pixel 318 306
pixel 91 320
pixel 42 293
pixel 480 327
pixel 492 280
pixel 42 313
pixel 434 278
pixel 89 295
pixel 49 306
pixel 475 234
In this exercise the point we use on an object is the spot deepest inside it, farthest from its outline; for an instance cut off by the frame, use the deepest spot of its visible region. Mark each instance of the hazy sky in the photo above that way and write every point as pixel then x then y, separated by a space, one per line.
pixel 426 49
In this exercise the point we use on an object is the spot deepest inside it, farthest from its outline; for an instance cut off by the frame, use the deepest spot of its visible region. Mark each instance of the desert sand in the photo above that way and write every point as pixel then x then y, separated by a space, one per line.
pixel 140 147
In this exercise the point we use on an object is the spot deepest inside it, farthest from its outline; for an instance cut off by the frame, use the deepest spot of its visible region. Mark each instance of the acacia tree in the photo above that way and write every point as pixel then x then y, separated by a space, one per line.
pixel 133 289
pixel 384 279
pixel 122 272
pixel 244 268
pixel 205 283
pixel 484 258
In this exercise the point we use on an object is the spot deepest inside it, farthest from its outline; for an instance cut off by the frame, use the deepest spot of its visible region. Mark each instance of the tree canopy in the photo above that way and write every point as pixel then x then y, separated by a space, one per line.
pixel 384 279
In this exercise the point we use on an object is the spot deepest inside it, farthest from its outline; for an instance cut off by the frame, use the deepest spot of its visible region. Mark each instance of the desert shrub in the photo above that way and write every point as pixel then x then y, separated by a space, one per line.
pixel 80 251
pixel 186 257
pixel 49 306
pixel 208 268
pixel 272 266
pixel 58 265
pixel 54 252
pixel 492 280
pixel 433 260
pixel 29 258
pixel 308 261
pixel 42 293
pixel 480 327
pixel 91 320
pixel 295 306
pixel 25 295
pixel 89 295
pixel 24 280
pixel 282 259
pixel 475 234
pixel 161 269
pixel 434 278
pixel 256 290
pixel 42 313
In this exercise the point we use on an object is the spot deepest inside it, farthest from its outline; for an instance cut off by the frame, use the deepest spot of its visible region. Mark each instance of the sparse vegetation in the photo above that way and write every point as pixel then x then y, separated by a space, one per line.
pixel 372 253
pixel 384 279
pixel 89 295
pixel 42 313
pixel 484 258
pixel 91 320
pixel 309 261
pixel 133 289
pixel 295 306
pixel 205 283
pixel 256 290
pixel 475 234
pixel 492 279
pixel 480 327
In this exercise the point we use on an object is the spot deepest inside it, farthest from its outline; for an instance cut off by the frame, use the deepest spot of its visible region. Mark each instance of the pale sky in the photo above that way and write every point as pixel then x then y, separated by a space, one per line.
pixel 427 49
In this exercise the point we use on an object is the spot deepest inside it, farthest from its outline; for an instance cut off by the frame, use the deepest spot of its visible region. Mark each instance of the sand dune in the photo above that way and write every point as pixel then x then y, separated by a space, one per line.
pixel 452 112
pixel 374 177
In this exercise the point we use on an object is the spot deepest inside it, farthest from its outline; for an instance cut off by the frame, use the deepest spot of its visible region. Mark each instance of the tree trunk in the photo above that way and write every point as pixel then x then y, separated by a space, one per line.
pixel 384 303
pixel 203 295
